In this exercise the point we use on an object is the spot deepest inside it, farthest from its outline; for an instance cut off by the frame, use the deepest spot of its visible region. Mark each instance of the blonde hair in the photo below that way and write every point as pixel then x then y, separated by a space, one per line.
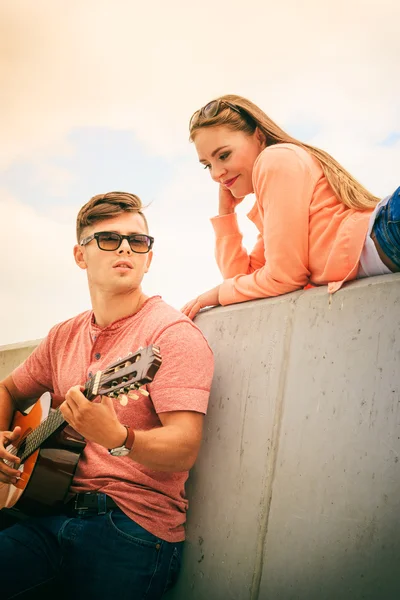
pixel 249 116
pixel 106 206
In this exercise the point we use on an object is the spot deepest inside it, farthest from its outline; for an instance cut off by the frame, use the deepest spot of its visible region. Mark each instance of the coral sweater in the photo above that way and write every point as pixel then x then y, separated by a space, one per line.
pixel 306 235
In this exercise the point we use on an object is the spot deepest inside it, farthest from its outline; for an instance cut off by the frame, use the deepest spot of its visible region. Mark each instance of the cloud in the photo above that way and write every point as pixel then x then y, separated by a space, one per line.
pixel 53 178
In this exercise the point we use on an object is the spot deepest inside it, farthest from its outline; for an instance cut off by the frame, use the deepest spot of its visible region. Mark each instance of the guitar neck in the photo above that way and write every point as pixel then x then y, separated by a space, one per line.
pixel 35 439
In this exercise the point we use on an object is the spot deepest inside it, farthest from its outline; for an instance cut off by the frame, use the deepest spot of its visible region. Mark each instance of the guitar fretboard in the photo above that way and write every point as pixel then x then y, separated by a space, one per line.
pixel 41 433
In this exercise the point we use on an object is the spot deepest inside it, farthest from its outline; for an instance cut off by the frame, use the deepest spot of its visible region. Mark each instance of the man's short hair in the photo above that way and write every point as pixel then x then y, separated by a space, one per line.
pixel 106 206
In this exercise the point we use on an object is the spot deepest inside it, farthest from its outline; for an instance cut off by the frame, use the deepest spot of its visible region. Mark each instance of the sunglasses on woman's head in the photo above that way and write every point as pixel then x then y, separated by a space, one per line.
pixel 211 110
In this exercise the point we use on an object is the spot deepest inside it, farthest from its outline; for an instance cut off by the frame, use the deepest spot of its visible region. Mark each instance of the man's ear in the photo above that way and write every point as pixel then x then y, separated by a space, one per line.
pixel 149 259
pixel 79 256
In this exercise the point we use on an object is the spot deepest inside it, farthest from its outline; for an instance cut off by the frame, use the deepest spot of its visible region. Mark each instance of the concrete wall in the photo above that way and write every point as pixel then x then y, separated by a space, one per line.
pixel 296 493
pixel 13 355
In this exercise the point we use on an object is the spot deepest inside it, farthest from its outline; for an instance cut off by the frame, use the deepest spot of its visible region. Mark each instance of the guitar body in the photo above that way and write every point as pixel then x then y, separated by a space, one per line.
pixel 47 473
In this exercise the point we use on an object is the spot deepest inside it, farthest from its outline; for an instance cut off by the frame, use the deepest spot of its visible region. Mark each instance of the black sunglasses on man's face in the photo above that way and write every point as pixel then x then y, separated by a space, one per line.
pixel 110 240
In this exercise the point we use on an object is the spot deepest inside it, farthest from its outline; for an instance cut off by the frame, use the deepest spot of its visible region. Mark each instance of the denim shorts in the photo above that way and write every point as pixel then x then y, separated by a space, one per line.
pixel 387 228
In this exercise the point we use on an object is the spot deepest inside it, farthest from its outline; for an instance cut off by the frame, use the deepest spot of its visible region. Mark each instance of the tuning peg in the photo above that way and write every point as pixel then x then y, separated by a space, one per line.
pixel 133 396
pixel 123 399
pixel 143 392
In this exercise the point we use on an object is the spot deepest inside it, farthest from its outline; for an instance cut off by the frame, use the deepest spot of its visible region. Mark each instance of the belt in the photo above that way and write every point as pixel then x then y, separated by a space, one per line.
pixel 90 503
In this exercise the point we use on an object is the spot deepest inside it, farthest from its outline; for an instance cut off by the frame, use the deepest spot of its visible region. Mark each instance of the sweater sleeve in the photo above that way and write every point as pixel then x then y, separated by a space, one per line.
pixel 231 256
pixel 283 184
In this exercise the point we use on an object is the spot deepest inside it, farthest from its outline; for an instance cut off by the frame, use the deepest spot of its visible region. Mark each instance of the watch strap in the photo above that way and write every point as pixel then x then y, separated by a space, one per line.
pixel 130 438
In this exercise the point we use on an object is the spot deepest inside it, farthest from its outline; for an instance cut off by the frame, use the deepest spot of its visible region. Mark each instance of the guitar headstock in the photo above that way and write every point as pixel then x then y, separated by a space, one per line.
pixel 126 374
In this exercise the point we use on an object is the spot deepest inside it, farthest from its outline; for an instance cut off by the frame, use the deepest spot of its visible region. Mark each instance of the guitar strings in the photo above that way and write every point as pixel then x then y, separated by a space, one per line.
pixel 38 435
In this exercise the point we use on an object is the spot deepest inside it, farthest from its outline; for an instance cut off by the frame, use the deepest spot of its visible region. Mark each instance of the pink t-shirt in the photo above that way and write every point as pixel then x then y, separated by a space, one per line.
pixel 76 349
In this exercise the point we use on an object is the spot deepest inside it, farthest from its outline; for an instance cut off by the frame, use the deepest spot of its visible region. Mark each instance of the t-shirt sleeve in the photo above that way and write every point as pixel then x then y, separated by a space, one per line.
pixel 34 376
pixel 183 381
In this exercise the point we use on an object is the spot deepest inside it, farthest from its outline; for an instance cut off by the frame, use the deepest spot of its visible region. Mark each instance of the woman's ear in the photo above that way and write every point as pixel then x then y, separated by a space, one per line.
pixel 261 137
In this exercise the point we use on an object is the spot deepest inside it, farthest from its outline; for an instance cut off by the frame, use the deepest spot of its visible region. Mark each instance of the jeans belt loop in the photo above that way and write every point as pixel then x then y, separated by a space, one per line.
pixel 101 504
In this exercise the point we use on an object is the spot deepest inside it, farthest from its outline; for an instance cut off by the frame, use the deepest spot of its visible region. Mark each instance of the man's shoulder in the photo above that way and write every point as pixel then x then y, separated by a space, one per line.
pixel 70 326
pixel 161 316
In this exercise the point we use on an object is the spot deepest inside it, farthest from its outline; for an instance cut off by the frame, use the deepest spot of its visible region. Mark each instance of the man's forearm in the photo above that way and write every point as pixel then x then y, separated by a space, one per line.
pixel 171 447
pixel 164 449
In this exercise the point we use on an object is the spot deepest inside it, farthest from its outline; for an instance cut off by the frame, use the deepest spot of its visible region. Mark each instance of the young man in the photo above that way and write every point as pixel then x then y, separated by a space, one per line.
pixel 124 538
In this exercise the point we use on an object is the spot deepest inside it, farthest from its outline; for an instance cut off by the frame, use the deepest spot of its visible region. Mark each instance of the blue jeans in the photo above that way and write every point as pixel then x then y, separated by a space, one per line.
pixel 97 557
pixel 387 228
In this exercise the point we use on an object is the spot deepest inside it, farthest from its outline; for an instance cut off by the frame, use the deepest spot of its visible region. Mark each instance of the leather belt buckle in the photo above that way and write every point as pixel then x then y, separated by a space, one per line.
pixel 87 503
pixel 79 509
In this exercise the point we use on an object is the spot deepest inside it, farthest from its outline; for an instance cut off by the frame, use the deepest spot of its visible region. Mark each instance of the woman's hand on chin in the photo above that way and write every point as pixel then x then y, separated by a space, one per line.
pixel 209 298
pixel 227 202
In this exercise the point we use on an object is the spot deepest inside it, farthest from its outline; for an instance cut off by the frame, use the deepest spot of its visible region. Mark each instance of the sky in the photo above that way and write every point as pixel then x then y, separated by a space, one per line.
pixel 96 96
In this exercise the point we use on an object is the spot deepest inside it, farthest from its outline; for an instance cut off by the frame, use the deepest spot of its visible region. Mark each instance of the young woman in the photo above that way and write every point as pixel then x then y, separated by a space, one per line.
pixel 317 225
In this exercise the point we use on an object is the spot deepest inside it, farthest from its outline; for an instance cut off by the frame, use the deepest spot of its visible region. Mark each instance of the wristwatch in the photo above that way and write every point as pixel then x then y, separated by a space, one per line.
pixel 127 445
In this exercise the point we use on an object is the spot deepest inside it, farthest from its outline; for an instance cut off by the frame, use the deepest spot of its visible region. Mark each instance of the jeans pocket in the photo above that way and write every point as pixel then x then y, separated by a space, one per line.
pixel 173 570
pixel 128 529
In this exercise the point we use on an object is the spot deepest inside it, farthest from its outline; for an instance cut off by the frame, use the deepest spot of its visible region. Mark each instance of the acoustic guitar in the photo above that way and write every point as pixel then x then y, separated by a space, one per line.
pixel 49 448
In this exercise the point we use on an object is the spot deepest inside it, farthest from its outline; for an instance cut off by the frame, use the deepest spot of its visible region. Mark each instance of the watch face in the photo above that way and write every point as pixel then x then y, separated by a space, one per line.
pixel 121 451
